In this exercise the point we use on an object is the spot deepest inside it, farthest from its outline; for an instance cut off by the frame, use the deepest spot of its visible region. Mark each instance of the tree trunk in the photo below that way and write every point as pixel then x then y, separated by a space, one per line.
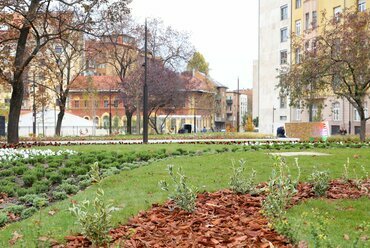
pixel 129 122
pixel 15 112
pixel 62 110
pixel 363 130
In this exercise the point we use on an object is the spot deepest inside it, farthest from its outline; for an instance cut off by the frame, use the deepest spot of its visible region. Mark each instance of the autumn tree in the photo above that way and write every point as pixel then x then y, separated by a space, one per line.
pixel 118 48
pixel 336 62
pixel 30 25
pixel 198 63
pixel 165 87
pixel 61 61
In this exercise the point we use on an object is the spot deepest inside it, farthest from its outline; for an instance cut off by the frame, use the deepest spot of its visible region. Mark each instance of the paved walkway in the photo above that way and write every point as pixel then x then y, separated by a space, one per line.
pixel 294 154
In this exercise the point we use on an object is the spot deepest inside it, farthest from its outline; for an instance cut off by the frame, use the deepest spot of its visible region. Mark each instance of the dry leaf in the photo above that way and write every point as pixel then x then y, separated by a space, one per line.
pixel 345 237
pixel 15 238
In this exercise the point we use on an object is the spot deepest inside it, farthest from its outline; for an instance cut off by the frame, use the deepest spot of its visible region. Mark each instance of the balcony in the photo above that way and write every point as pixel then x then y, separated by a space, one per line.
pixel 229 101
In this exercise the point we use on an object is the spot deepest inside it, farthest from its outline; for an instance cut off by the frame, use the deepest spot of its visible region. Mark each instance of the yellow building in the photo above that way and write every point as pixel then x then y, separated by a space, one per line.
pixel 307 14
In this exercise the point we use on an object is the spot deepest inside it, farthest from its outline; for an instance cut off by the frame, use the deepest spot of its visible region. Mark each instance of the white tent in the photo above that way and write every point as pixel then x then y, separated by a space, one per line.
pixel 72 125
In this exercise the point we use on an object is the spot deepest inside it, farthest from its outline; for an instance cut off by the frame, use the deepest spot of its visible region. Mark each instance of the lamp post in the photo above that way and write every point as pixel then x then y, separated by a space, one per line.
pixel 110 111
pixel 145 90
pixel 273 119
pixel 238 109
pixel 34 106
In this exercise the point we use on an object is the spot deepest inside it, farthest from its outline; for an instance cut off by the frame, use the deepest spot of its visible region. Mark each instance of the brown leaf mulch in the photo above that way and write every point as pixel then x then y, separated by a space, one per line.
pixel 221 219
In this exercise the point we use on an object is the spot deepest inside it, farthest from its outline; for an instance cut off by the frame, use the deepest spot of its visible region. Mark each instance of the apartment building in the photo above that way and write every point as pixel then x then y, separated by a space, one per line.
pixel 302 16
pixel 274 51
pixel 232 105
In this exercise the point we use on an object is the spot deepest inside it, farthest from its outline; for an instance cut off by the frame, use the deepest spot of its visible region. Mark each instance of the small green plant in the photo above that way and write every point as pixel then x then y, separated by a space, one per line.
pixel 281 188
pixel 320 182
pixel 318 229
pixel 3 219
pixel 361 237
pixel 95 173
pixel 184 195
pixel 241 184
pixel 94 218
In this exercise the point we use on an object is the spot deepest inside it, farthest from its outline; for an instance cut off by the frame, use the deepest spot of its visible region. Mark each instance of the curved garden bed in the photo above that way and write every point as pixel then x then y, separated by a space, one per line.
pixel 221 219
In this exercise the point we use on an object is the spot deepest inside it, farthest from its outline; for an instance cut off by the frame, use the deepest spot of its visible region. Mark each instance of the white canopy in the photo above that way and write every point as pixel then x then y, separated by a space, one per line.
pixel 46 123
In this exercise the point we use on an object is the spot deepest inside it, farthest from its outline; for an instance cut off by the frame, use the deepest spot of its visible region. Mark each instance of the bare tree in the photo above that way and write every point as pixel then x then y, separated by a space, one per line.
pixel 170 46
pixel 62 62
pixel 30 25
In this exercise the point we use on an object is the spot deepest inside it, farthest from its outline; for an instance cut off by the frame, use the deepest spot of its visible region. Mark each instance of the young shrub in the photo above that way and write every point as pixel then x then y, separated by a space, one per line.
pixel 95 173
pixel 241 184
pixel 29 179
pixel 281 188
pixel 28 212
pixel 59 195
pixel 3 219
pixel 68 188
pixel 320 182
pixel 184 195
pixel 94 218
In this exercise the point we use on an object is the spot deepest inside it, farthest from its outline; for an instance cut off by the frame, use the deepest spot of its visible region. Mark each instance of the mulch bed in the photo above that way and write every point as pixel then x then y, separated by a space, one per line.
pixel 221 219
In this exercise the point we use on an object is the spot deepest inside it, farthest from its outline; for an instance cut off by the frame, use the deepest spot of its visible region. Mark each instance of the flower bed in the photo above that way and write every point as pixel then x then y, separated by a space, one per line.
pixel 221 219
pixel 31 179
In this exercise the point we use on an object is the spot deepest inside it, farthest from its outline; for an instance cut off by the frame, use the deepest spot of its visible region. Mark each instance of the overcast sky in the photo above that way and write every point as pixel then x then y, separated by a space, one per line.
pixel 225 32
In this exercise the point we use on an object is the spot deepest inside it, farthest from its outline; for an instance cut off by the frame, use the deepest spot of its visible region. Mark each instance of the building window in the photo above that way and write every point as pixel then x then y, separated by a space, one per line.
pixel 315 111
pixel 297 56
pixel 357 115
pixel 86 104
pixel 284 12
pixel 283 102
pixel 314 19
pixel 283 57
pixel 283 118
pixel 298 4
pixel 361 5
pixel 298 112
pixel 7 101
pixel 336 111
pixel 106 103
pixel 58 49
pixel 116 103
pixel 77 103
pixel 106 122
pixel 283 34
pixel 307 19
pixel 298 27
pixel 336 12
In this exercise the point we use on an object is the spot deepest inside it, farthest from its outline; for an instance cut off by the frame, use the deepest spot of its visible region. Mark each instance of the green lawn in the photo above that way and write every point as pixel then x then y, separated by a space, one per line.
pixel 135 190
pixel 343 220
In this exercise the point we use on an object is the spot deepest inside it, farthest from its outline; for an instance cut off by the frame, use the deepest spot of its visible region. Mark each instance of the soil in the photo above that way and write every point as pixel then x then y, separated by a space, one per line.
pixel 221 219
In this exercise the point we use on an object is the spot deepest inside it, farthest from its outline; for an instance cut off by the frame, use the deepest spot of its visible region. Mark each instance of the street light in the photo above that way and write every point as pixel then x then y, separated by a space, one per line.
pixel 145 89
pixel 273 119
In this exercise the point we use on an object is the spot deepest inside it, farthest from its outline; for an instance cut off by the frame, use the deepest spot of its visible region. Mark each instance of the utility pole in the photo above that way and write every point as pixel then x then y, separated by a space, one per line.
pixel 34 106
pixel 145 98
pixel 238 110
pixel 110 111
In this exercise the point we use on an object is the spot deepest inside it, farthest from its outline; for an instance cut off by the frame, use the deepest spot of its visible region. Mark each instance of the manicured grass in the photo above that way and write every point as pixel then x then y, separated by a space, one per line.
pixel 344 217
pixel 135 190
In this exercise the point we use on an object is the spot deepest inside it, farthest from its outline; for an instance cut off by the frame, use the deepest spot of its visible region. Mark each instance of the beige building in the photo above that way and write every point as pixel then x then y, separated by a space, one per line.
pixel 232 106
pixel 277 19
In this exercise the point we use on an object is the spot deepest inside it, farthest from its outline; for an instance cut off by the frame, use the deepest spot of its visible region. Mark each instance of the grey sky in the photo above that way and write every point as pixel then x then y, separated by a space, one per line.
pixel 225 32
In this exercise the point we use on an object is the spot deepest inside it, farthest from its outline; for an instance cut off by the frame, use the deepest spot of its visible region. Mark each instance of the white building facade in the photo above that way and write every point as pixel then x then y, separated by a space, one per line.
pixel 274 51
